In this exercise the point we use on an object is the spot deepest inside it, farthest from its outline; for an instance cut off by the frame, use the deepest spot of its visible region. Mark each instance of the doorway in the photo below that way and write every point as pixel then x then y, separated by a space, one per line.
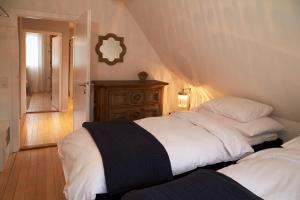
pixel 42 79
pixel 45 67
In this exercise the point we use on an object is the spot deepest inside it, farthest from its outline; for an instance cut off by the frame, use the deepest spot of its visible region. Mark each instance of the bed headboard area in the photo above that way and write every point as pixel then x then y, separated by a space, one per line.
pixel 292 129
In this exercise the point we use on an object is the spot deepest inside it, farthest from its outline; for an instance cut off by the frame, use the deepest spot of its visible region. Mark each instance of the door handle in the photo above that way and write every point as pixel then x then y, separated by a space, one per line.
pixel 85 84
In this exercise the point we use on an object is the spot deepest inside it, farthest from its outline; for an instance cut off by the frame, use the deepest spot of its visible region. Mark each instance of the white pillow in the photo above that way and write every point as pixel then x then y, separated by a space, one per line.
pixel 292 144
pixel 253 128
pixel 240 109
pixel 259 126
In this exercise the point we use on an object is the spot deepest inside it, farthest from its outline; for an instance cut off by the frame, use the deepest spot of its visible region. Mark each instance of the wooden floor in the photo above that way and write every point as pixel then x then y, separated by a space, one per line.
pixel 40 102
pixel 33 175
pixel 46 128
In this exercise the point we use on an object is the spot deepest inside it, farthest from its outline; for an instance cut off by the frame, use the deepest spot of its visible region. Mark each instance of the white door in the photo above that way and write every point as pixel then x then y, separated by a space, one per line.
pixel 81 70
pixel 56 67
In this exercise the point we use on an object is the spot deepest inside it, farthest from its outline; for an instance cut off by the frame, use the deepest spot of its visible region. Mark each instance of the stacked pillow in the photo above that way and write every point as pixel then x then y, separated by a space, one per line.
pixel 250 117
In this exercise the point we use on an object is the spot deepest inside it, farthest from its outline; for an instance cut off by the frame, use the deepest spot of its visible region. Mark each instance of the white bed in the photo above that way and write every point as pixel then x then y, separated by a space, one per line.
pixel 191 139
pixel 272 174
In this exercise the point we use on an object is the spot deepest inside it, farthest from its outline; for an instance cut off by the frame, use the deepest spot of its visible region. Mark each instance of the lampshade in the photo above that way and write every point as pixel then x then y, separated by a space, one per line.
pixel 183 100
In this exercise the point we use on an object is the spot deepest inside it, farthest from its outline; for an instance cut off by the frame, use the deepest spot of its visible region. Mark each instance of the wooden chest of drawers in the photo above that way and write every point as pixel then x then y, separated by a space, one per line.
pixel 130 99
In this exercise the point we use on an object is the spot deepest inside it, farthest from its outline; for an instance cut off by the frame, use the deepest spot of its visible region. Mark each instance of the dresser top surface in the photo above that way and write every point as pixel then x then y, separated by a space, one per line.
pixel 128 83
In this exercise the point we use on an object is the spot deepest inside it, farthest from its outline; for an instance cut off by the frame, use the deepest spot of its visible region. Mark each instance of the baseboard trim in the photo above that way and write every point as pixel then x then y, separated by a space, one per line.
pixel 39 146
pixel 46 111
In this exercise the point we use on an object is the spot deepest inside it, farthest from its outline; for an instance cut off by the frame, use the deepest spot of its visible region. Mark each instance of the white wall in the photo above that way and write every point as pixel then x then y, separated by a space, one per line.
pixel 110 16
pixel 244 48
pixel 6 35
pixel 8 70
pixel 107 16
pixel 140 56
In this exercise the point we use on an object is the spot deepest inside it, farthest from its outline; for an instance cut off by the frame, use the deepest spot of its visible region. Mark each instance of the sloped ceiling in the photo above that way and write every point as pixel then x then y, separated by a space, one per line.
pixel 238 47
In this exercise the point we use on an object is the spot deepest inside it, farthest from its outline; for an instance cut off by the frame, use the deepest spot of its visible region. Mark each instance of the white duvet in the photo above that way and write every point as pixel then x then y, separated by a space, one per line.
pixel 191 140
pixel 272 174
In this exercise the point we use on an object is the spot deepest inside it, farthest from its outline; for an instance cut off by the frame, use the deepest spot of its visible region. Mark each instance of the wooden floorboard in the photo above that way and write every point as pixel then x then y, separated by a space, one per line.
pixel 23 176
pixel 46 128
pixel 33 175
pixel 4 176
pixel 40 102
pixel 10 188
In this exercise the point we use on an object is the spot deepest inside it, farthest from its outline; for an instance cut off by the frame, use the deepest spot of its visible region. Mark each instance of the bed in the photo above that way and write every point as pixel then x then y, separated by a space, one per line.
pixel 191 139
pixel 269 174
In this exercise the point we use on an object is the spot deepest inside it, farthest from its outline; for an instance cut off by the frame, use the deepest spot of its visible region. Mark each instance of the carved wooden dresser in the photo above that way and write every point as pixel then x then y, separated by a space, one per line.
pixel 130 99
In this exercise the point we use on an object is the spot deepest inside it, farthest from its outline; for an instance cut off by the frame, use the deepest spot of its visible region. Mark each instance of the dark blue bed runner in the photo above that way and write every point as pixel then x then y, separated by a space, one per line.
pixel 132 157
pixel 199 185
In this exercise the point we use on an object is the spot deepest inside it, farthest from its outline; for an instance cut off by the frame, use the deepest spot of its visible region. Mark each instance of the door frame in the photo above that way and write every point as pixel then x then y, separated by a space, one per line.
pixel 17 118
pixel 60 76
pixel 23 78
pixel 87 81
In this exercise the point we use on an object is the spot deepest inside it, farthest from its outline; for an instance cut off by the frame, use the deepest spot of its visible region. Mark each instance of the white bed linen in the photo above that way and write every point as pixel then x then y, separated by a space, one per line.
pixel 189 146
pixel 240 109
pixel 254 128
pixel 197 118
pixel 271 174
pixel 258 139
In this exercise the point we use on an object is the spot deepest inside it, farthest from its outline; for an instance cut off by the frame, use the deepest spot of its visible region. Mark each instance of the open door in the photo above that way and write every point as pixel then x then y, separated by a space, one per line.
pixel 55 72
pixel 81 71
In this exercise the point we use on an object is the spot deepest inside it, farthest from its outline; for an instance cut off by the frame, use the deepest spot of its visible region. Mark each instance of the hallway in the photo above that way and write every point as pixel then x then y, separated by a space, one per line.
pixel 40 102
pixel 46 128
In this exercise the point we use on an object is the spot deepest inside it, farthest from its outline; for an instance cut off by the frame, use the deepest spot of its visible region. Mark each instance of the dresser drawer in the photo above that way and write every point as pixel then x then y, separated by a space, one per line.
pixel 119 98
pixel 131 114
pixel 136 97
pixel 151 111
pixel 152 96
pixel 135 113
pixel 128 99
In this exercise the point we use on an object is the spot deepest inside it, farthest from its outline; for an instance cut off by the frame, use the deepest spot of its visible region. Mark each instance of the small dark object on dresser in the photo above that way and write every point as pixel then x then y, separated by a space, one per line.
pixel 143 75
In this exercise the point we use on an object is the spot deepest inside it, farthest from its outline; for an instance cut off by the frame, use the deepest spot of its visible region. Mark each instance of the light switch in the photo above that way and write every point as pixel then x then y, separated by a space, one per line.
pixel 3 82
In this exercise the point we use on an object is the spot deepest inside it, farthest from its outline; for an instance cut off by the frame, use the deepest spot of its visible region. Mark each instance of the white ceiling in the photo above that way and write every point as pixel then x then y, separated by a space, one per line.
pixel 238 47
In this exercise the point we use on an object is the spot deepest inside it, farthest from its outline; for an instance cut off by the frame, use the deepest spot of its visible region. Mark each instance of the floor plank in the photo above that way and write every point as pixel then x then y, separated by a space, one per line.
pixel 4 176
pixel 11 186
pixel 23 177
pixel 40 102
pixel 33 175
pixel 46 128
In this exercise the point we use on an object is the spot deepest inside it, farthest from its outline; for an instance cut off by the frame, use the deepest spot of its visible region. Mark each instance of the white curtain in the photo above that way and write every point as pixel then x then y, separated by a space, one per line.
pixel 37 75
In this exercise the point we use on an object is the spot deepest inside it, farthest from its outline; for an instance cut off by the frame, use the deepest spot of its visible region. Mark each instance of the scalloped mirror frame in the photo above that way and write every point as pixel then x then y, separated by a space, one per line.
pixel 100 43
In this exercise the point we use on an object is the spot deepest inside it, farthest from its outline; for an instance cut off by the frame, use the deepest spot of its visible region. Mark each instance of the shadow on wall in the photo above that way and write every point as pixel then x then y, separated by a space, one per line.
pixel 199 94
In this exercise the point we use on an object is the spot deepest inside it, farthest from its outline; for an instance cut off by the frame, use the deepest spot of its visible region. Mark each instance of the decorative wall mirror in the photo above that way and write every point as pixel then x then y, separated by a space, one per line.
pixel 110 49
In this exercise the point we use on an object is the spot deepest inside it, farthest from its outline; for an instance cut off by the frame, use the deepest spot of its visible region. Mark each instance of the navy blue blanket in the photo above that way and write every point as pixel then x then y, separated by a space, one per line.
pixel 132 157
pixel 200 185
